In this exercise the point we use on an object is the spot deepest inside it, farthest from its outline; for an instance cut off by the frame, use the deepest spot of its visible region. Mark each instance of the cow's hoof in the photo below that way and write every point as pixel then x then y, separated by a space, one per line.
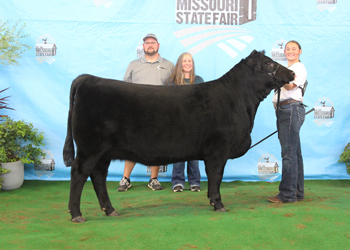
pixel 211 203
pixel 220 210
pixel 78 219
pixel 114 213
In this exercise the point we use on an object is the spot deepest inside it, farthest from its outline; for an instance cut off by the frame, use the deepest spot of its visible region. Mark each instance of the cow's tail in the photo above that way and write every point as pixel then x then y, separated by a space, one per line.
pixel 68 149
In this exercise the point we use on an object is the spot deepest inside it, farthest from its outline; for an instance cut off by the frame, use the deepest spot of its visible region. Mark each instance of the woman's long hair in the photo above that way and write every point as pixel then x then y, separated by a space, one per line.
pixel 177 76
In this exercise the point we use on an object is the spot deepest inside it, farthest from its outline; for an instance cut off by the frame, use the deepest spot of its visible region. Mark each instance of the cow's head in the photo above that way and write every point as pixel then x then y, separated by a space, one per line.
pixel 261 63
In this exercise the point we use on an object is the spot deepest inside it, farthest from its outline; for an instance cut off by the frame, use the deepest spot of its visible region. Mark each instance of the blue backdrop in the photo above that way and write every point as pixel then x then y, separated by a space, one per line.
pixel 101 37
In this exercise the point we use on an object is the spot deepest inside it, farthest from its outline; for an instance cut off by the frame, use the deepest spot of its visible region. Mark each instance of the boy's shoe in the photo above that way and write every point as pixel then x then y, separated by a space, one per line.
pixel 178 189
pixel 154 184
pixel 195 189
pixel 124 184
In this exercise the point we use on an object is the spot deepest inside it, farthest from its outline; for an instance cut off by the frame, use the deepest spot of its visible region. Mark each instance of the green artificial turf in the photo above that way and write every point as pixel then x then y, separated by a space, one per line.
pixel 35 217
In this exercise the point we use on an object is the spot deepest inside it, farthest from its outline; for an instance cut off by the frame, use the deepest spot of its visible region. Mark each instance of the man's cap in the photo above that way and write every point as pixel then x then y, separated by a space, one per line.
pixel 150 35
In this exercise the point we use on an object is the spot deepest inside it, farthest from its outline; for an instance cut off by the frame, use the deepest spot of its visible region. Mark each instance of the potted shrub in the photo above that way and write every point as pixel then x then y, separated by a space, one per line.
pixel 345 157
pixel 2 171
pixel 11 48
pixel 20 143
pixel 3 105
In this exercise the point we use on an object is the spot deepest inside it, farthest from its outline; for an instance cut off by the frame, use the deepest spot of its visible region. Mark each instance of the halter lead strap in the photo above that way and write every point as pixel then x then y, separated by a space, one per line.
pixel 278 107
pixel 273 76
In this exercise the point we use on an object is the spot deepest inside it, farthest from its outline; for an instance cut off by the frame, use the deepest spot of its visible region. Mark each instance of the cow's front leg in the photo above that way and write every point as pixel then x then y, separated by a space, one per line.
pixel 98 178
pixel 215 170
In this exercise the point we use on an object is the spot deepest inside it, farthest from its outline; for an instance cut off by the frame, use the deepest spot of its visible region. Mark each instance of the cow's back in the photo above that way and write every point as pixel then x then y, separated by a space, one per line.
pixel 150 124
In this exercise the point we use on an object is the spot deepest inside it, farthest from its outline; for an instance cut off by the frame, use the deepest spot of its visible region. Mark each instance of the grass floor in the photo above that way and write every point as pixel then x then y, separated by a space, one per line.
pixel 35 217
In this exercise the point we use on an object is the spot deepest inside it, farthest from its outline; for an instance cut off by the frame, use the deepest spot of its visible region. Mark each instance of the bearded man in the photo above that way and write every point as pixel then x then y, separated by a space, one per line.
pixel 152 69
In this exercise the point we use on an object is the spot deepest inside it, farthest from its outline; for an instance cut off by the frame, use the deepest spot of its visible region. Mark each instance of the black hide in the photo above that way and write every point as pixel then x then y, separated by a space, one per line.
pixel 156 125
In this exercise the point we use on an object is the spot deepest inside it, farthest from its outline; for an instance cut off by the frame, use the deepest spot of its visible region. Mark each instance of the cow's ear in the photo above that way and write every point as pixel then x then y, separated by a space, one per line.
pixel 253 53
pixel 253 59
pixel 262 52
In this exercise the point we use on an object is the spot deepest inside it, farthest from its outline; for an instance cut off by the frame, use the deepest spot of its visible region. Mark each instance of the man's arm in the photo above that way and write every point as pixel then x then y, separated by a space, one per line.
pixel 128 74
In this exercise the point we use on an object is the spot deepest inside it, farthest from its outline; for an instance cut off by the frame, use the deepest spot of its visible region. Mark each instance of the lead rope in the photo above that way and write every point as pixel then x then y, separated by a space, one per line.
pixel 278 105
pixel 276 131
pixel 273 74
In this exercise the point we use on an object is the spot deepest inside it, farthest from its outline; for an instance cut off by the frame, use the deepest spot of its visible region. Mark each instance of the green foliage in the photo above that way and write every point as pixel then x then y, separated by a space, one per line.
pixel 2 171
pixel 3 102
pixel 345 157
pixel 20 141
pixel 11 47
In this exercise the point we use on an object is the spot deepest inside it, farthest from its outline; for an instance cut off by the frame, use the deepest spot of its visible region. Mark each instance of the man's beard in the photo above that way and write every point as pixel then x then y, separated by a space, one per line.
pixel 151 53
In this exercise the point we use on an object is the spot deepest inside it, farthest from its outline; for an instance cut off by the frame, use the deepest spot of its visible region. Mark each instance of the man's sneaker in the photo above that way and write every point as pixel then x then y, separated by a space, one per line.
pixel 178 189
pixel 195 189
pixel 124 184
pixel 155 184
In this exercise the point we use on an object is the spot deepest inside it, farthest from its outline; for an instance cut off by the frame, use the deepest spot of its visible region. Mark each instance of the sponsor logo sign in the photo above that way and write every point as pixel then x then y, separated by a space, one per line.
pixel 215 12
pixel 139 50
pixel 326 5
pixel 47 163
pixel 268 167
pixel 215 24
pixel 324 112
pixel 277 52
pixel 162 170
pixel 45 49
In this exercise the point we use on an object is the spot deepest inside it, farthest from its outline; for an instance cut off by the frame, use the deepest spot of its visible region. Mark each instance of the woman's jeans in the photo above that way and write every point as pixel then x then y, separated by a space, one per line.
pixel 193 174
pixel 291 118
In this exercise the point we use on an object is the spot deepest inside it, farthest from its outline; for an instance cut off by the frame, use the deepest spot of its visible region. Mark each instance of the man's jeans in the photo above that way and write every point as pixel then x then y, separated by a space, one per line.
pixel 193 174
pixel 291 118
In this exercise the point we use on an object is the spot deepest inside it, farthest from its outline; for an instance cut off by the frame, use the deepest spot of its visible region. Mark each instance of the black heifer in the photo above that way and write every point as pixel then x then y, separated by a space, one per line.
pixel 156 125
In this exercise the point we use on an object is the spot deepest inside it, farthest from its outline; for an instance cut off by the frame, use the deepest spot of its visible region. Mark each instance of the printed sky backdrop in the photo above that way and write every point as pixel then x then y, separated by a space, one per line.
pixel 101 37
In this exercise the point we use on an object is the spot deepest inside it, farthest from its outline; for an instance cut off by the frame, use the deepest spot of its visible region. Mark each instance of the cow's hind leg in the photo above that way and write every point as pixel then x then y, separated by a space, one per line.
pixel 215 170
pixel 98 178
pixel 76 187
pixel 81 170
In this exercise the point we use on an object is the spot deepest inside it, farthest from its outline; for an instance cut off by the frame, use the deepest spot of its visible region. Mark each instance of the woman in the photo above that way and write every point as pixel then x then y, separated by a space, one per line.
pixel 291 118
pixel 184 74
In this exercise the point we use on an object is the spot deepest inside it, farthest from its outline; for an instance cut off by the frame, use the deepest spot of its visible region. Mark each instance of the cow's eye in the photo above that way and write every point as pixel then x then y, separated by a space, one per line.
pixel 267 64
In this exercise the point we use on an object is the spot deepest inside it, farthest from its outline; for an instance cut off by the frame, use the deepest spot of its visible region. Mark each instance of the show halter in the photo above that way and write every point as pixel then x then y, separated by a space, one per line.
pixel 273 75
